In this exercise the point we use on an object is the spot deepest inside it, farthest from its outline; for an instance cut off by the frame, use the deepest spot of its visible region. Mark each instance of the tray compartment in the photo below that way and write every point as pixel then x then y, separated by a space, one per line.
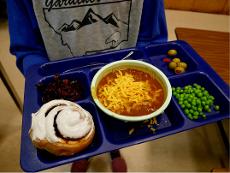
pixel 46 157
pixel 99 138
pixel 84 61
pixel 118 132
pixel 205 81
pixel 157 53
pixel 92 72
pixel 81 83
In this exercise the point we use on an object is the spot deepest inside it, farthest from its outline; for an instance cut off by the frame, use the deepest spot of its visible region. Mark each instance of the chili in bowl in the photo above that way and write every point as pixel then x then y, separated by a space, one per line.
pixel 131 90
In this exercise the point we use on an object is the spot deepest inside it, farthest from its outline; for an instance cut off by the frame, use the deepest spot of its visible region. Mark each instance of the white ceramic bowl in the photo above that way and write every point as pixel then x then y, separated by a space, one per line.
pixel 134 64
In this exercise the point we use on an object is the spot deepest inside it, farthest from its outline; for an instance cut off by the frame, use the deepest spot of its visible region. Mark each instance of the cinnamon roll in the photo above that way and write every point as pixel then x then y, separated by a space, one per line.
pixel 62 127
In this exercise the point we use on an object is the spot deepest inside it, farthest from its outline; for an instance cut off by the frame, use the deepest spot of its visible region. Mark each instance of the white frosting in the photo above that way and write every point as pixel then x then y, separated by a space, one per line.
pixel 72 121
pixel 73 124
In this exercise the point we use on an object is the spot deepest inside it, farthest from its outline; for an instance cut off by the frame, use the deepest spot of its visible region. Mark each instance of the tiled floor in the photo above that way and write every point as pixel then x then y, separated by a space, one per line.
pixel 200 149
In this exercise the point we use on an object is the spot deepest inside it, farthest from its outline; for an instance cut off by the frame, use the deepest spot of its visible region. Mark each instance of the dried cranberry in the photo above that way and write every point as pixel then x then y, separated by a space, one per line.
pixel 60 89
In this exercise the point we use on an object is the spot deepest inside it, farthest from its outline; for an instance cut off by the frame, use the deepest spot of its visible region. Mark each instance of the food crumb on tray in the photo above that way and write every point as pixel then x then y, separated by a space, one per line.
pixel 150 124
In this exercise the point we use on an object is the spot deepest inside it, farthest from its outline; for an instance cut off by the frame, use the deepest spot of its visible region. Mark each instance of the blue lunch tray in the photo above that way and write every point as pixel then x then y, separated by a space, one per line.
pixel 114 134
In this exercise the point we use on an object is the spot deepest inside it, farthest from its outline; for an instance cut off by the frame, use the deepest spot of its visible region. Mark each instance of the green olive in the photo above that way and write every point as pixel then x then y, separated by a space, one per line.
pixel 172 65
pixel 182 64
pixel 172 52
pixel 179 70
pixel 176 60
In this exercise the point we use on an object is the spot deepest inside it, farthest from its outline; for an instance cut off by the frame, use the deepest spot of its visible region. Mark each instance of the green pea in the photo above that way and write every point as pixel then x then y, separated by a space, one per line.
pixel 177 96
pixel 181 99
pixel 210 102
pixel 190 100
pixel 196 90
pixel 190 116
pixel 188 105
pixel 194 108
pixel 203 103
pixel 186 87
pixel 186 96
pixel 182 96
pixel 199 94
pixel 183 106
pixel 207 102
pixel 196 113
pixel 206 107
pixel 178 91
pixel 198 102
pixel 200 109
pixel 188 91
pixel 198 87
pixel 195 117
pixel 191 96
pixel 211 97
pixel 206 93
pixel 209 110
pixel 193 103
pixel 217 107
pixel 195 84
pixel 203 115
pixel 204 98
pixel 186 111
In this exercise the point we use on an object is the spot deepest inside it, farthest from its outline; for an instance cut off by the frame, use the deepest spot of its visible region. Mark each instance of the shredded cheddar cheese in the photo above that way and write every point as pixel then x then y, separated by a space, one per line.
pixel 125 94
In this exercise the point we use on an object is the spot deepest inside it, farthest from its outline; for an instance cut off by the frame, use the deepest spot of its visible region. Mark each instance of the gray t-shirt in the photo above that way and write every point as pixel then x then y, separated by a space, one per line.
pixel 80 27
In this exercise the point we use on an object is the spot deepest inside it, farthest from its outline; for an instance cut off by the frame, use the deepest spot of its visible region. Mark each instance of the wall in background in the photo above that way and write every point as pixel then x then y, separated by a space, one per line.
pixel 206 6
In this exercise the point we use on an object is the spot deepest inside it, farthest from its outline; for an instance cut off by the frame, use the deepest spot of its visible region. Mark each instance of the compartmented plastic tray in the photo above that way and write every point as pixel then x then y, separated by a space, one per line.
pixel 113 134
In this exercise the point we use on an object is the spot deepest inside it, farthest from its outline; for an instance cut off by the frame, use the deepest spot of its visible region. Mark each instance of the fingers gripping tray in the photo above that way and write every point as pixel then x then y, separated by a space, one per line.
pixel 187 109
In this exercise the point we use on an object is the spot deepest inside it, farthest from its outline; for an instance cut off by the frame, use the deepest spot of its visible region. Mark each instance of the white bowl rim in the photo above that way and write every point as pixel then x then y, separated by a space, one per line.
pixel 132 118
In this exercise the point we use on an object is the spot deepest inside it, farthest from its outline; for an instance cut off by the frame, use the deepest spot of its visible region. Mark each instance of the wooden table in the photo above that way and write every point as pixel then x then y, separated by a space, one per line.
pixel 9 86
pixel 212 46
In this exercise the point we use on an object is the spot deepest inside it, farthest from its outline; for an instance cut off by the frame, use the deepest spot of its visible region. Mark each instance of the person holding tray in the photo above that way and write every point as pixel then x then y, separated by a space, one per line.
pixel 49 30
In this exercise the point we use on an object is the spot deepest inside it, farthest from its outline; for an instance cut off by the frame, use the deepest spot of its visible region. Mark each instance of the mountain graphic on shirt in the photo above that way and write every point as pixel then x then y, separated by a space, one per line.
pixel 65 27
pixel 90 33
pixel 91 18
